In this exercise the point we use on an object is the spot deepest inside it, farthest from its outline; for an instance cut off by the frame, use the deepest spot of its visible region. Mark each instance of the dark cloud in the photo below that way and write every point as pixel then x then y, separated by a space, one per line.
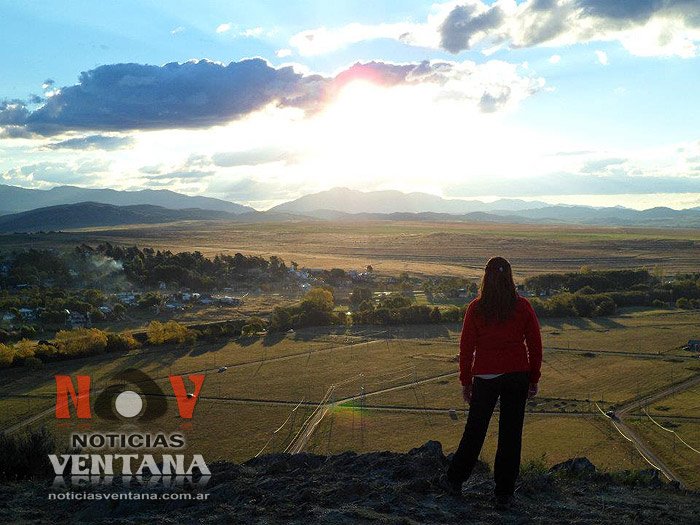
pixel 196 94
pixel 35 99
pixel 15 132
pixel 632 10
pixel 541 21
pixel 13 112
pixel 193 94
pixel 464 22
pixel 92 142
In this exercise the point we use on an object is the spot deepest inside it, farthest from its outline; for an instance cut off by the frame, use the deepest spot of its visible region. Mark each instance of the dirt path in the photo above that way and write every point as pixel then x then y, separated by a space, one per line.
pixel 631 435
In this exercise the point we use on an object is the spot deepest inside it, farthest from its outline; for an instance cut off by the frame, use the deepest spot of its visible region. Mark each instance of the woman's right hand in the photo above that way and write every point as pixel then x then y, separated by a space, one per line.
pixel 532 390
pixel 467 393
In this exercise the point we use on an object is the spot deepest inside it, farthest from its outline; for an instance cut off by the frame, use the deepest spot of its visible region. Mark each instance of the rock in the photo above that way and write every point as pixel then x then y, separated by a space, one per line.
pixel 575 466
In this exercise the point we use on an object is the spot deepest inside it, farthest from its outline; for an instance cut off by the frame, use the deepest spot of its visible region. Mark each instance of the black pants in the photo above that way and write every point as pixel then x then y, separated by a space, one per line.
pixel 512 389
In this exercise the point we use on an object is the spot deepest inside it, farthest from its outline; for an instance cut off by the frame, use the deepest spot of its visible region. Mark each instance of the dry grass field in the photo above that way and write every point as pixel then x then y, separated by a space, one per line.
pixel 686 403
pixel 241 409
pixel 401 370
pixel 429 248
pixel 681 458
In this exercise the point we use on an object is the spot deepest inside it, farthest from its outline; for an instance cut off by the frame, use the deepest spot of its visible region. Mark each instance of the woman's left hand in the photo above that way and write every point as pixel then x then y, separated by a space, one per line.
pixel 467 393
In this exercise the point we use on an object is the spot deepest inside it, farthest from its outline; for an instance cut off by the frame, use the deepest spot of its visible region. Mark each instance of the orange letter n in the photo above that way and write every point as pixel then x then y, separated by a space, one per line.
pixel 81 400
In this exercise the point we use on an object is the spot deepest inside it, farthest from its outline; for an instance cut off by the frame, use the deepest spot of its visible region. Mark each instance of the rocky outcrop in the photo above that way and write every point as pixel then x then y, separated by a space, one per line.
pixel 384 487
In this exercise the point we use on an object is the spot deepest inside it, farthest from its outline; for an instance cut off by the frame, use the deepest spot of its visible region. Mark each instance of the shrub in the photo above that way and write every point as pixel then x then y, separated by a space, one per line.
pixel 27 332
pixel 7 355
pixel 253 326
pixel 657 303
pixel 359 295
pixel 81 341
pixel 683 303
pixel 25 456
pixel 33 362
pixel 583 305
pixel 122 342
pixel 24 349
pixel 451 315
pixel 605 306
pixel 321 298
pixel 159 333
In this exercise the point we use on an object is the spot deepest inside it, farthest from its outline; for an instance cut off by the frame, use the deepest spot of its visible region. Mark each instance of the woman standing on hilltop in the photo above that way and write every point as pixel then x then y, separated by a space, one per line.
pixel 500 354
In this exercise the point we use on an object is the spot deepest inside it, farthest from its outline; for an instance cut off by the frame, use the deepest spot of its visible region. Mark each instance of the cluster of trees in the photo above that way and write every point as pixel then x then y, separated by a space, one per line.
pixel 598 281
pixel 404 315
pixel 149 267
pixel 575 305
pixel 449 286
pixel 35 267
pixel 685 304
pixel 83 342
pixel 51 303
pixel 158 333
pixel 67 344
pixel 588 293
pixel 685 290
pixel 315 309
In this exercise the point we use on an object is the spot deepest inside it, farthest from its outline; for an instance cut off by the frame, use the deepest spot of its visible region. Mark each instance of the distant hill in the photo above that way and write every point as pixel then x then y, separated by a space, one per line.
pixel 390 201
pixel 339 204
pixel 94 214
pixel 14 199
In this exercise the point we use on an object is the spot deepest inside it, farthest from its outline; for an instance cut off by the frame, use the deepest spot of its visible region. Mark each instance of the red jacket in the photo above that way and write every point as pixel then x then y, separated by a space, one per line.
pixel 494 348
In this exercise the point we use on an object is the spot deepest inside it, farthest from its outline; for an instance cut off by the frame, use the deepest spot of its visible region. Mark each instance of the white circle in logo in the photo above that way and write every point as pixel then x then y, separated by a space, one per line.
pixel 128 404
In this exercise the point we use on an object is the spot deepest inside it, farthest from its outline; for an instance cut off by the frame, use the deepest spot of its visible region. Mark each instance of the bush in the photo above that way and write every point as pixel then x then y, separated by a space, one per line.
pixel 657 303
pixel 24 349
pixel 81 341
pixel 25 456
pixel 584 305
pixel 27 332
pixel 683 303
pixel 7 355
pixel 451 315
pixel 253 326
pixel 321 298
pixel 358 296
pixel 122 342
pixel 159 333
pixel 605 306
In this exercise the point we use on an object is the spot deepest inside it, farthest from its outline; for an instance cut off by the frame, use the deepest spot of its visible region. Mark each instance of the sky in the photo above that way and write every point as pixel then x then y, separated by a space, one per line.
pixel 589 102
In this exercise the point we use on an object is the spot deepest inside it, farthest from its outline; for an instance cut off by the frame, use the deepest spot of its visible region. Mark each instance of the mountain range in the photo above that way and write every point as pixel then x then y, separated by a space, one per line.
pixel 112 207
pixel 391 201
pixel 14 199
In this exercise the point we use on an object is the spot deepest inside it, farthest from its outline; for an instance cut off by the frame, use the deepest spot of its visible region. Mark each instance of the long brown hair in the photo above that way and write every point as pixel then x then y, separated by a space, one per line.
pixel 497 294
